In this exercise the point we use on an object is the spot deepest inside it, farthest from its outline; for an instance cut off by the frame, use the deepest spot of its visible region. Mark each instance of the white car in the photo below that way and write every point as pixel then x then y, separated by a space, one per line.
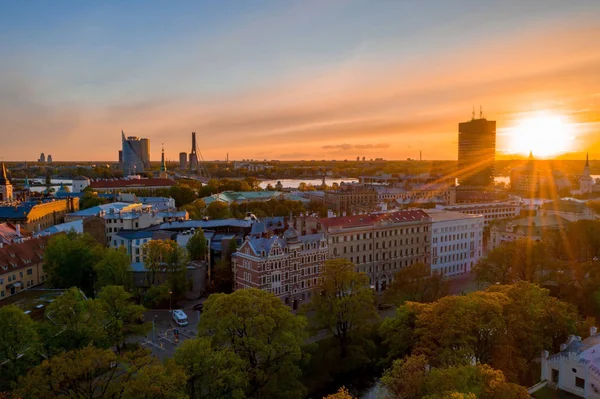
pixel 180 317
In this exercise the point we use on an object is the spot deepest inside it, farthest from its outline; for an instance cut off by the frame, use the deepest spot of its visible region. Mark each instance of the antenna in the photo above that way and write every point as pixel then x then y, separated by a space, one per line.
pixel 473 113
pixel 480 112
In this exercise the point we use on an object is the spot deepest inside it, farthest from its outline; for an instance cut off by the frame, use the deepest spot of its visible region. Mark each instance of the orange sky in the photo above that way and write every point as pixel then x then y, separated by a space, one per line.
pixel 366 103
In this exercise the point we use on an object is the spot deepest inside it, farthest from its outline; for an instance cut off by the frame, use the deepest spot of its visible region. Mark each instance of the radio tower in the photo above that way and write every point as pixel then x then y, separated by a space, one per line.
pixel 196 160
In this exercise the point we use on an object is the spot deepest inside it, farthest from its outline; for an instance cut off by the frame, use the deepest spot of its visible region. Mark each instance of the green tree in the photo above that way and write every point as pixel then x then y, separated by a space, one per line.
pixel 77 322
pixel 18 344
pixel 182 195
pixel 217 210
pixel 520 260
pixel 196 209
pixel 168 257
pixel 114 269
pixel 416 283
pixel 69 260
pixel 122 317
pixel 90 199
pixel 197 246
pixel 264 333
pixel 155 381
pixel 212 372
pixel 343 302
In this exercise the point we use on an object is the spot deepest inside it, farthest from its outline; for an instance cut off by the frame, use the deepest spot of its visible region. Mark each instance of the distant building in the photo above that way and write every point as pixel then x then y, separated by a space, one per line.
pixel 229 197
pixel 121 158
pixel 569 209
pixel 351 198
pixel 6 188
pixel 490 210
pixel 456 241
pixel 38 215
pixel 120 185
pixel 586 181
pixel 136 154
pixel 182 160
pixel 21 266
pixel 476 152
pixel 380 244
pixel 79 184
pixel 532 228
pixel 49 158
pixel 163 166
pixel 42 158
pixel 288 267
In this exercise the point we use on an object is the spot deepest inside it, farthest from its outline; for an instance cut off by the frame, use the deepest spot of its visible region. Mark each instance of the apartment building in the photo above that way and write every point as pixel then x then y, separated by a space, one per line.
pixel 380 244
pixel 489 210
pixel 350 198
pixel 21 266
pixel 456 241
pixel 288 267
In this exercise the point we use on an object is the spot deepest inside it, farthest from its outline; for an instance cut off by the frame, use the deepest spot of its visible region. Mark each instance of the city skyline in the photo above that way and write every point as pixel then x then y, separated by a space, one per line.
pixel 316 80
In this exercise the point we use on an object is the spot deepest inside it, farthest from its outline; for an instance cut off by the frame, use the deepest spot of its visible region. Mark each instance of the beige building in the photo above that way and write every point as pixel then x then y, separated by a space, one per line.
pixel 380 244
pixel 350 198
pixel 490 210
pixel 532 228
pixel 37 215
pixel 21 266
pixel 571 210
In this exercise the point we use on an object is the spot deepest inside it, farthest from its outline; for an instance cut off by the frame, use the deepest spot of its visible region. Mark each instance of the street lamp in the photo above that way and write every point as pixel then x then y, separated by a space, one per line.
pixel 153 335
pixel 170 293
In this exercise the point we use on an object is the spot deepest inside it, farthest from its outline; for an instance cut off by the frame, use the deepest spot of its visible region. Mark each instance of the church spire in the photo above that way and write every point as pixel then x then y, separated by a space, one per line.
pixel 4 177
pixel 587 160
pixel 531 155
pixel 163 165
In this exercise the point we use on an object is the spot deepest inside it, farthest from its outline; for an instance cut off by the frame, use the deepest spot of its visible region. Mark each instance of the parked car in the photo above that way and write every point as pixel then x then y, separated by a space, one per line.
pixel 384 306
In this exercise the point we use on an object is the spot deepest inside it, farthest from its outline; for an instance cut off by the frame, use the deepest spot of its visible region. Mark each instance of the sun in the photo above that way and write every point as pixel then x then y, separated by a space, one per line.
pixel 545 134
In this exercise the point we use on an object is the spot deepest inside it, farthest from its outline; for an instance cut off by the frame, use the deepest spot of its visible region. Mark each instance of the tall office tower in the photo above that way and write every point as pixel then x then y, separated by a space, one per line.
pixel 49 158
pixel 121 158
pixel 182 160
pixel 42 157
pixel 476 152
pixel 136 154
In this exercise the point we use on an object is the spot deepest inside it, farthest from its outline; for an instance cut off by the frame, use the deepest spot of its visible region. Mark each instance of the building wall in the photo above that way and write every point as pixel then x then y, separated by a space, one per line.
pixel 351 198
pixel 490 211
pixel 291 273
pixel 456 245
pixel 381 250
pixel 476 152
pixel 48 214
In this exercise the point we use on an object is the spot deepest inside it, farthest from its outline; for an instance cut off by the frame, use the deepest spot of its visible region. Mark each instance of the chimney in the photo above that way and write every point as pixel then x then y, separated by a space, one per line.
pixel 593 331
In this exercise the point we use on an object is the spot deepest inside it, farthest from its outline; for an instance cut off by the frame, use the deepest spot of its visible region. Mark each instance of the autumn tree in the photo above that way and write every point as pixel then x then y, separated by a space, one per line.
pixel 211 372
pixel 122 317
pixel 416 283
pixel 18 344
pixel 114 268
pixel 196 209
pixel 217 210
pixel 342 393
pixel 343 302
pixel 156 381
pixel 264 334
pixel 69 260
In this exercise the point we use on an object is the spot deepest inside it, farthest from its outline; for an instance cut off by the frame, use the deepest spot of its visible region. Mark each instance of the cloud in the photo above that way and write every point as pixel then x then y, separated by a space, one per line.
pixel 347 147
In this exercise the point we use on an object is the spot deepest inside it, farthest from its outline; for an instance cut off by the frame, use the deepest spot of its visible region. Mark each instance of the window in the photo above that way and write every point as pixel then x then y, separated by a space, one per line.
pixel 579 382
pixel 29 272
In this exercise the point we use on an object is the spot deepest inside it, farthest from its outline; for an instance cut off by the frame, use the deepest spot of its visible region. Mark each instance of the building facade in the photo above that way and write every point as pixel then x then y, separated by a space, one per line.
pixel 380 244
pixel 586 181
pixel 531 228
pixel 288 267
pixel 6 188
pixel 21 266
pixel 456 241
pixel 476 152
pixel 136 154
pixel 490 210
pixel 117 186
pixel 36 216
pixel 351 198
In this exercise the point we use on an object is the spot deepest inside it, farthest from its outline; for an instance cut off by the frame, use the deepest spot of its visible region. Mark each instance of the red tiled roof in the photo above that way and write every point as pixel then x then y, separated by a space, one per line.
pixel 18 256
pixel 124 183
pixel 368 220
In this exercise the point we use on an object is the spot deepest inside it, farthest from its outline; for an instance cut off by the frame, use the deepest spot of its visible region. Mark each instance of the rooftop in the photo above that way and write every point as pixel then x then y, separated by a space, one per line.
pixel 132 183
pixel 76 225
pixel 20 256
pixel 375 218
pixel 135 234
pixel 440 215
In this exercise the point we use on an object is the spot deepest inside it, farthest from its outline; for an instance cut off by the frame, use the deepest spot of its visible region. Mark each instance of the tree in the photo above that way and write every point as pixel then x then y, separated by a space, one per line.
pixel 168 257
pixel 122 317
pixel 155 381
pixel 211 372
pixel 84 373
pixel 416 283
pixel 520 260
pixel 409 378
pixel 343 302
pixel 196 209
pixel 69 260
pixel 342 393
pixel 264 333
pixel 114 269
pixel 217 210
pixel 182 195
pixel 76 322
pixel 90 199
pixel 197 246
pixel 18 344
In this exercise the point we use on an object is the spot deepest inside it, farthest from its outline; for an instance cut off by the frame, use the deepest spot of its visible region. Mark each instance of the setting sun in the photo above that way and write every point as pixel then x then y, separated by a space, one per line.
pixel 544 134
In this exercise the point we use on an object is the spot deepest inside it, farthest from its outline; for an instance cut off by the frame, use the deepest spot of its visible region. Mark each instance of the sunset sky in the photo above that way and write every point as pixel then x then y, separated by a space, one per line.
pixel 306 79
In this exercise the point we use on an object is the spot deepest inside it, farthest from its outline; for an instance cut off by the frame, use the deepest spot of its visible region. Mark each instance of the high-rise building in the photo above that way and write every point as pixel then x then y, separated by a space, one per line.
pixel 476 152
pixel 120 157
pixel 49 158
pixel 136 154
pixel 42 158
pixel 182 160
